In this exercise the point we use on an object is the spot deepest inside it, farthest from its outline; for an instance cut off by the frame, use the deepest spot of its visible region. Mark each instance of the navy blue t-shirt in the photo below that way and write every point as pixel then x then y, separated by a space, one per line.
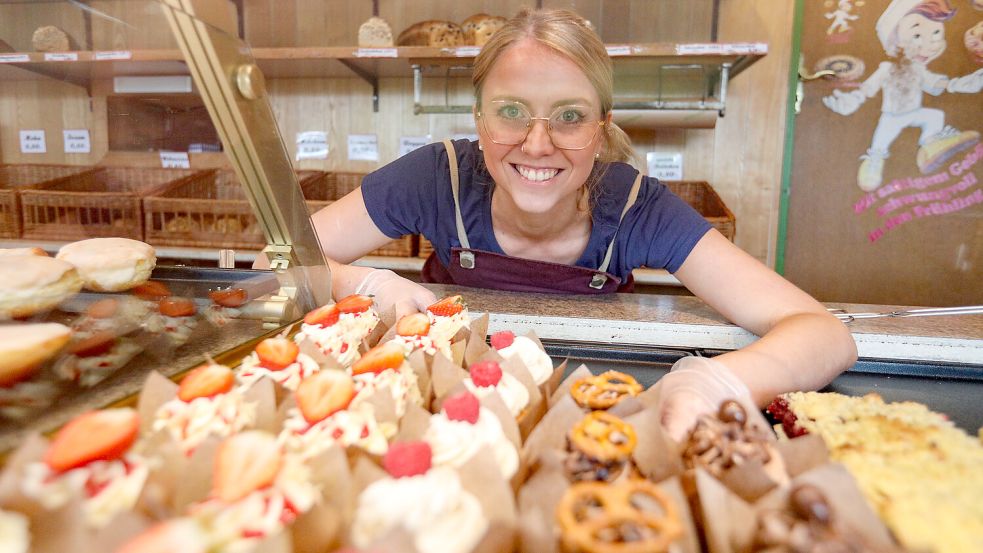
pixel 412 195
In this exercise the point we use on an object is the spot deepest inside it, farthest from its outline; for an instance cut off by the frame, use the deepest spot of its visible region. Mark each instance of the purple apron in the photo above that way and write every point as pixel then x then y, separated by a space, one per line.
pixel 482 269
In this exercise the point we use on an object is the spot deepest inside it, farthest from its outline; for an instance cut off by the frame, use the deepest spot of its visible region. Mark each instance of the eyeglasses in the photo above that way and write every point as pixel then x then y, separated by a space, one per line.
pixel 570 127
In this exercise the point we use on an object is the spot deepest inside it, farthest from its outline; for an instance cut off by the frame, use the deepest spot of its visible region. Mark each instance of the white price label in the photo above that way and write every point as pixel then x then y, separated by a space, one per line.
pixel 77 141
pixel 466 51
pixel 665 166
pixel 377 53
pixel 312 145
pixel 409 143
pixel 113 55
pixel 618 50
pixel 363 147
pixel 32 142
pixel 175 160
pixel 14 58
pixel 61 56
pixel 700 49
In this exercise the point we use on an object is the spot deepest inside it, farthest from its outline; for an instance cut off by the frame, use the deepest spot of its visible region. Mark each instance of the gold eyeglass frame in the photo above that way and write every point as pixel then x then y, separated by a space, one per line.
pixel 549 130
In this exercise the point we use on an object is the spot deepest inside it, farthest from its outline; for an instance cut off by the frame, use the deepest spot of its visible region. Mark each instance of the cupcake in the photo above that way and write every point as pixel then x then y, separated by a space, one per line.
pixel 413 333
pixel 457 433
pixel 486 377
pixel 90 458
pixel 206 405
pixel 339 329
pixel 525 350
pixel 225 305
pixel 447 317
pixel 385 366
pixel 278 359
pixel 428 503
pixel 176 320
pixel 322 418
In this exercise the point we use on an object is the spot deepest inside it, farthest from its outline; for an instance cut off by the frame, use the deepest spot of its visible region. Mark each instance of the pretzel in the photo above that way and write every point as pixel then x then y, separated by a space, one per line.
pixel 603 436
pixel 604 391
pixel 633 517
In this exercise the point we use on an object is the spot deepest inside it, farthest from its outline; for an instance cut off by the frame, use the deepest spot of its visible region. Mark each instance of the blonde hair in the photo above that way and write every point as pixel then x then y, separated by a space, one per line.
pixel 570 35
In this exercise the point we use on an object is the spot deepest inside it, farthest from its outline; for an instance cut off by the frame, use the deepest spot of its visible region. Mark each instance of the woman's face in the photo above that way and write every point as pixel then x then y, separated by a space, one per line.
pixel 535 174
pixel 921 39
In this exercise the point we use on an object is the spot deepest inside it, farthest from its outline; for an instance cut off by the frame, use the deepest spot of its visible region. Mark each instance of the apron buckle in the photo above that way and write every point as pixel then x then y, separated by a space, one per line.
pixel 597 281
pixel 467 260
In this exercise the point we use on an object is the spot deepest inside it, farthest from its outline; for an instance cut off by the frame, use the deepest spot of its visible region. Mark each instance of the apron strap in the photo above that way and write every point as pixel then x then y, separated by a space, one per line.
pixel 467 257
pixel 599 278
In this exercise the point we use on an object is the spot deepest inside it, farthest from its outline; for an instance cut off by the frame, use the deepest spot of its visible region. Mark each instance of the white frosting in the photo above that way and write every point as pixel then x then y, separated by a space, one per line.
pixel 442 329
pixel 425 343
pixel 356 427
pixel 220 316
pixel 29 336
pixel 536 360
pixel 454 443
pixel 341 340
pixel 15 535
pixel 22 275
pixel 23 398
pixel 289 377
pixel 513 393
pixel 402 384
pixel 107 487
pixel 433 507
pixel 111 263
pixel 89 371
pixel 177 329
pixel 190 423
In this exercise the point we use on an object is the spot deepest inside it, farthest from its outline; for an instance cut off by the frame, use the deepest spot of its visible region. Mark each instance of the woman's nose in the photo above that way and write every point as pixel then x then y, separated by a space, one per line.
pixel 538 141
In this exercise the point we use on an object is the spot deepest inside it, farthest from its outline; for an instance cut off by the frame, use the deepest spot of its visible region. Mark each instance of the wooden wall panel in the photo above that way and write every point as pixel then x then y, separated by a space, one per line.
pixel 286 23
pixel 129 25
pixel 18 21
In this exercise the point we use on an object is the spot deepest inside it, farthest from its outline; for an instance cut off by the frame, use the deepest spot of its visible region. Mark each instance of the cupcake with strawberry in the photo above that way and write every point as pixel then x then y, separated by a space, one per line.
pixel 457 433
pixel 413 333
pixel 90 359
pixel 447 317
pixel 90 458
pixel 385 367
pixel 322 418
pixel 225 305
pixel 278 359
pixel 429 503
pixel 207 405
pixel 526 351
pixel 486 377
pixel 338 329
pixel 176 320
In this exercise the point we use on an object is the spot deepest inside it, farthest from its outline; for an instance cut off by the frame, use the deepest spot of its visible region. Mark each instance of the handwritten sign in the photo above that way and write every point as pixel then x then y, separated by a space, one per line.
pixel 665 166
pixel 77 141
pixel 466 51
pixel 312 145
pixel 32 142
pixel 618 50
pixel 363 147
pixel 14 58
pixel 113 55
pixel 175 160
pixel 61 56
pixel 409 143
pixel 377 53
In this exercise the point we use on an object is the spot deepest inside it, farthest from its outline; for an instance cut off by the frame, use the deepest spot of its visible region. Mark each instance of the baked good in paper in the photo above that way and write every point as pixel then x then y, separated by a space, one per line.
pixel 600 448
pixel 413 333
pixel 225 305
pixel 526 350
pixel 486 377
pixel 460 429
pixel 90 458
pixel 278 359
pixel 338 329
pixel 91 359
pixel 429 503
pixel 385 367
pixel 808 523
pixel 110 264
pixel 724 441
pixel 605 390
pixel 175 320
pixel 447 317
pixel 30 284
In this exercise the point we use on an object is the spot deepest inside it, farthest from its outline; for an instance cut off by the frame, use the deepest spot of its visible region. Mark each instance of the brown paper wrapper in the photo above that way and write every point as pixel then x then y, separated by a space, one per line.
pixel 553 382
pixel 413 424
pixel 422 368
pixel 194 480
pixel 563 388
pixel 727 520
pixel 477 344
pixel 532 414
pixel 323 360
pixel 445 376
pixel 551 432
pixel 803 454
pixel 156 391
pixel 538 499
pixel 656 455
pixel 387 320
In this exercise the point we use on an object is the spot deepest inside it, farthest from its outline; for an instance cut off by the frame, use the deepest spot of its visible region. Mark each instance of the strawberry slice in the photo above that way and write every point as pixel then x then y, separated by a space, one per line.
pixel 324 316
pixel 416 324
pixel 503 339
pixel 177 307
pixel 229 297
pixel 354 303
pixel 407 459
pixel 463 406
pixel 99 343
pixel 206 381
pixel 102 309
pixel 166 537
pixel 323 394
pixel 277 354
pixel 245 462
pixel 447 307
pixel 384 356
pixel 151 290
pixel 94 436
pixel 486 373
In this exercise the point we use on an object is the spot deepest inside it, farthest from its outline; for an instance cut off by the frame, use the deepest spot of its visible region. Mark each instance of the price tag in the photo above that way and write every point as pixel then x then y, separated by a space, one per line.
pixel 618 50
pixel 32 142
pixel 409 143
pixel 363 147
pixel 377 53
pixel 175 160
pixel 113 55
pixel 14 58
pixel 77 141
pixel 699 49
pixel 466 51
pixel 665 166
pixel 61 56
pixel 312 145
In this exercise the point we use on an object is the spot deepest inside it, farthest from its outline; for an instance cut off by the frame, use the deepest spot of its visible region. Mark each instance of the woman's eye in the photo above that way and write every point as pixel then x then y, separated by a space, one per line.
pixel 570 116
pixel 510 112
pixel 917 36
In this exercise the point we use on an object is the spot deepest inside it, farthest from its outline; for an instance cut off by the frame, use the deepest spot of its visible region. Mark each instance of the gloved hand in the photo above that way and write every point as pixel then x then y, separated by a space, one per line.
pixel 694 386
pixel 969 84
pixel 844 103
pixel 392 290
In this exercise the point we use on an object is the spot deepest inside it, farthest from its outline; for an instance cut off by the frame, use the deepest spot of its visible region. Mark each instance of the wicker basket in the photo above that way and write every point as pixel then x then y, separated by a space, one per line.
pixel 704 199
pixel 14 178
pixel 105 202
pixel 426 248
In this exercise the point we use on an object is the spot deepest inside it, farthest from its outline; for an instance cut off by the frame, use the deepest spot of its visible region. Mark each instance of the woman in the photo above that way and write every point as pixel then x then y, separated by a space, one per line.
pixel 544 202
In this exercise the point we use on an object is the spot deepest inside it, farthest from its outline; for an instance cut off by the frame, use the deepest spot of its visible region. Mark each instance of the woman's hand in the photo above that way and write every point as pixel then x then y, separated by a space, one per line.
pixel 693 387
pixel 391 290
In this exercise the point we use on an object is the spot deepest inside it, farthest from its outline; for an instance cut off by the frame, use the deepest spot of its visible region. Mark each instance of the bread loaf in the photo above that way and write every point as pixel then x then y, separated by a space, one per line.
pixel 479 28
pixel 375 33
pixel 50 39
pixel 431 33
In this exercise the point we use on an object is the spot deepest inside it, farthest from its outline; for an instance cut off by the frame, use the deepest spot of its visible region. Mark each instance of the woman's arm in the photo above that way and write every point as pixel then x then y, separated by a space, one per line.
pixel 801 346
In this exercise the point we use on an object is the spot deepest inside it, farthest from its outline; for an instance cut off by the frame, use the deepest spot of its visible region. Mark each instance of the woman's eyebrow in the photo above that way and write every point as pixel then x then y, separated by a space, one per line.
pixel 572 101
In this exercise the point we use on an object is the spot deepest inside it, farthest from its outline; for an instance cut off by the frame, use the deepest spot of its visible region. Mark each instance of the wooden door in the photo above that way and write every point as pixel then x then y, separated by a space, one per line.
pixel 885 203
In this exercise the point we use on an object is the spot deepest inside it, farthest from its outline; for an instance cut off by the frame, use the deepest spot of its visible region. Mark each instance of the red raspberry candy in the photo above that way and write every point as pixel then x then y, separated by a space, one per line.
pixel 407 459
pixel 486 373
pixel 502 339
pixel 462 407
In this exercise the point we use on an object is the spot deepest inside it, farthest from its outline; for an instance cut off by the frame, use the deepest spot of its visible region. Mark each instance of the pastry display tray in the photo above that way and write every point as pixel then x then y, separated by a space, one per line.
pixel 953 389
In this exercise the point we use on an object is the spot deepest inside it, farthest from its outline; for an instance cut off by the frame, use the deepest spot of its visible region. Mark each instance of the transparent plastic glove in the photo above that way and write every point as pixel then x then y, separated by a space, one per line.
pixel 844 103
pixel 969 84
pixel 694 386
pixel 392 290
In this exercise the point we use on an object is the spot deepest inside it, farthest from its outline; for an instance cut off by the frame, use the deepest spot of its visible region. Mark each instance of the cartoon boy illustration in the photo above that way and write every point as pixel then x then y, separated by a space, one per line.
pixel 841 17
pixel 915 30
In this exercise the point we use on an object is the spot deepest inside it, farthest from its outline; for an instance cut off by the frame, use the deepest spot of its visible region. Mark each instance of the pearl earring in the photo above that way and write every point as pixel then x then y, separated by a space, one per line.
pixel 480 147
pixel 597 155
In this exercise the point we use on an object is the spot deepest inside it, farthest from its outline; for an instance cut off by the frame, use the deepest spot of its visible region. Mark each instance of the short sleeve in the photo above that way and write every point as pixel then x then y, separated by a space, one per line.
pixel 401 197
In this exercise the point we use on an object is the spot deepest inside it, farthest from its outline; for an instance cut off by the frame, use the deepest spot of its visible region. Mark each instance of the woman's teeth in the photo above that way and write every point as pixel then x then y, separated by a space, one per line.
pixel 536 175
